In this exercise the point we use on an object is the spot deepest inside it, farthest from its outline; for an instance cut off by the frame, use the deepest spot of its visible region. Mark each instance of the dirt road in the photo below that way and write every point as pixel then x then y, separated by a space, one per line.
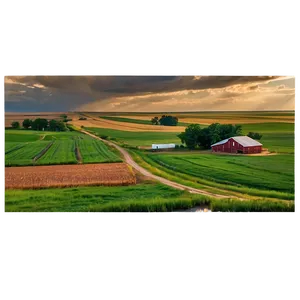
pixel 145 172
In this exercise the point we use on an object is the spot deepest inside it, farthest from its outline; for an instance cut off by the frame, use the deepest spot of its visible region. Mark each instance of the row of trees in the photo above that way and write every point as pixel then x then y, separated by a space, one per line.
pixel 41 124
pixel 194 136
pixel 165 120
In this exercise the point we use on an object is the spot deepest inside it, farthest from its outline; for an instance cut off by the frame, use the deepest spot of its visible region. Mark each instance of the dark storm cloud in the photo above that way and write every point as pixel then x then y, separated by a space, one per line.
pixel 58 93
pixel 126 85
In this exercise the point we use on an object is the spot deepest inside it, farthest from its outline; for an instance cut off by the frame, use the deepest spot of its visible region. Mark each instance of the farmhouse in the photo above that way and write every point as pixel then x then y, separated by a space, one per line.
pixel 237 144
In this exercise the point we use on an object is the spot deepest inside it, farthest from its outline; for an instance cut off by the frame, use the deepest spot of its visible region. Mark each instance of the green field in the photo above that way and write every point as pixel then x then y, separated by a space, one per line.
pixel 277 137
pixel 24 156
pixel 140 198
pixel 22 146
pixel 260 172
pixel 61 152
pixel 137 138
pixel 93 151
pixel 136 121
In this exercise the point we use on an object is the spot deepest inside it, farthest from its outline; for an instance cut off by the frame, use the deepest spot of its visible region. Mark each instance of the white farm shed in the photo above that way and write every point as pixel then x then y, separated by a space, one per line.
pixel 163 146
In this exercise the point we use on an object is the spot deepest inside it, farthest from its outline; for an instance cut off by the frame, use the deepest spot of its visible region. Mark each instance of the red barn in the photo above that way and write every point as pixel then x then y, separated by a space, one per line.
pixel 237 144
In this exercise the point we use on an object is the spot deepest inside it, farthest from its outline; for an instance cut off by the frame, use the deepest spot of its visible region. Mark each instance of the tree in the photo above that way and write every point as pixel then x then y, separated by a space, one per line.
pixel 39 124
pixel 168 120
pixel 154 121
pixel 195 136
pixel 190 136
pixel 27 123
pixel 15 124
pixel 55 125
pixel 254 135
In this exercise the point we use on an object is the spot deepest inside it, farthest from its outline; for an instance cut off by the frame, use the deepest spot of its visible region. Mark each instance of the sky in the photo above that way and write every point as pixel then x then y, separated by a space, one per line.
pixel 148 93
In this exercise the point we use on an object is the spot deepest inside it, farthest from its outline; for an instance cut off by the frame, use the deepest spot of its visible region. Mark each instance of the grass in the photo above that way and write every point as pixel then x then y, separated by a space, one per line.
pixel 212 186
pixel 139 198
pixel 261 172
pixel 136 121
pixel 132 138
pixel 277 137
pixel 93 151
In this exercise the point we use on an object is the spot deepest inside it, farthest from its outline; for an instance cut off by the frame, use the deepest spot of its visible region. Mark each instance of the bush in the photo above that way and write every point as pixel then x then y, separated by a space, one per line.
pixel 104 137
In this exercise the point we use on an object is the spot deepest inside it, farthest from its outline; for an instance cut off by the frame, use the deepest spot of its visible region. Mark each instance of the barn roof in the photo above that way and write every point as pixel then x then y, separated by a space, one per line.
pixel 245 141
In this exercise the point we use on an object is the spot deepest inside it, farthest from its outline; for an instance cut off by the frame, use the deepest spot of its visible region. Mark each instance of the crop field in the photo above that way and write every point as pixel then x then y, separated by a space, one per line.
pixel 146 121
pixel 49 148
pixel 24 155
pixel 261 172
pixel 11 146
pixel 92 151
pixel 137 138
pixel 214 117
pixel 98 122
pixel 136 198
pixel 61 152
pixel 74 175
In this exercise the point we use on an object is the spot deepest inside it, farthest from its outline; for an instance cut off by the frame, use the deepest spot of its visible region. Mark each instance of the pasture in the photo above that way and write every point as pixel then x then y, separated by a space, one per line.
pixel 27 147
pixel 146 197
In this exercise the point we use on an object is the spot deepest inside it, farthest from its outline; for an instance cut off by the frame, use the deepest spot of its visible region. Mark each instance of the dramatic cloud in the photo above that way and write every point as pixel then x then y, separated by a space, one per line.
pixel 133 93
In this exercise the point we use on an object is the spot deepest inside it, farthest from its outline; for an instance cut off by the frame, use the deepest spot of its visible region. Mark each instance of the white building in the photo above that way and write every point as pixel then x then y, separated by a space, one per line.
pixel 163 146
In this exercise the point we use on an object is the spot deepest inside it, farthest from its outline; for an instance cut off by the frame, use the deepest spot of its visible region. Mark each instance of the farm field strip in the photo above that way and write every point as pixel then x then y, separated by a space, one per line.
pixel 217 118
pixel 12 146
pixel 74 175
pixel 61 152
pixel 137 138
pixel 25 154
pixel 146 121
pixel 124 126
pixel 92 151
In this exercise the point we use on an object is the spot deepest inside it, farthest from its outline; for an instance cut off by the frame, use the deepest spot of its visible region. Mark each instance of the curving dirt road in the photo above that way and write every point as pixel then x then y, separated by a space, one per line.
pixel 145 172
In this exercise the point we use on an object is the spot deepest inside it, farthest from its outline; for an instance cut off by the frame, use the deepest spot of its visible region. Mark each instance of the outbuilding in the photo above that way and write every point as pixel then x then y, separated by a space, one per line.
pixel 163 146
pixel 237 144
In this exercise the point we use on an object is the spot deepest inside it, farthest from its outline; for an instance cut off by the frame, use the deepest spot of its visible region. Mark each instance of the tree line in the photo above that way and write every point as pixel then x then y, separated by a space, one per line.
pixel 165 120
pixel 194 136
pixel 41 124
